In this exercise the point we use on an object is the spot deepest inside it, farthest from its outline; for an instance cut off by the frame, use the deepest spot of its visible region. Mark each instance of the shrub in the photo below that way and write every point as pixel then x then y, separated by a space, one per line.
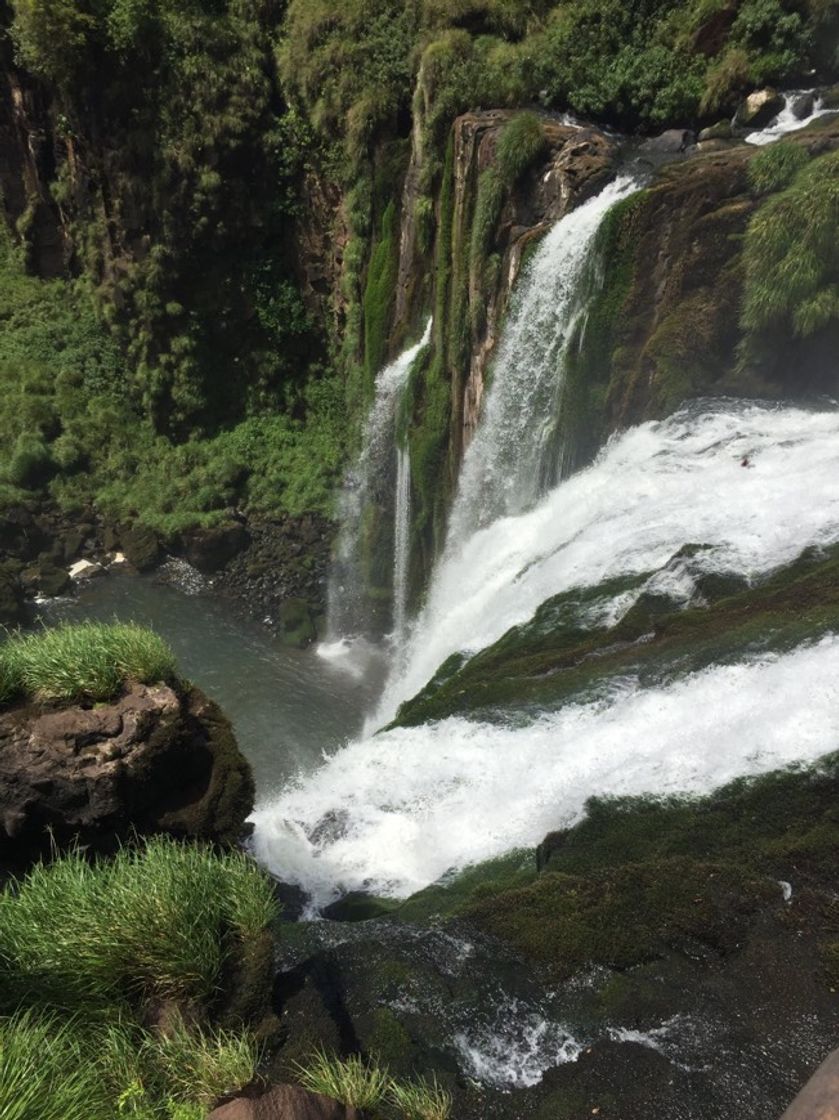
pixel 353 1081
pixel 775 166
pixel 520 142
pixel 155 922
pixel 31 465
pixel 90 660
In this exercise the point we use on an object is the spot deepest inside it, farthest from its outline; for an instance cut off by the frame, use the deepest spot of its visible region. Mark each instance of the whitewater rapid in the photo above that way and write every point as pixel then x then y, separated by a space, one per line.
pixel 395 812
pixel 652 490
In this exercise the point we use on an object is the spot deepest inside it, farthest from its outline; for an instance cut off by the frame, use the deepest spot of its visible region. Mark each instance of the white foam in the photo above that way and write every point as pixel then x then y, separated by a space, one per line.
pixel 652 490
pixel 395 812
pixel 787 121
pixel 516 1050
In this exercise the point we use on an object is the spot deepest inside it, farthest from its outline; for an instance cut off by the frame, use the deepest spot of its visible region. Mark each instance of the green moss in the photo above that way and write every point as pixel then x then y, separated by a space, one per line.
pixel 625 915
pixel 378 295
pixel 455 894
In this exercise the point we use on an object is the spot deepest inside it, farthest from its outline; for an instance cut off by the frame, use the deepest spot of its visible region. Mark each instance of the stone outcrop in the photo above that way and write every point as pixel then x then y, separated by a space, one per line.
pixel 759 108
pixel 284 1102
pixel 819 1099
pixel 157 759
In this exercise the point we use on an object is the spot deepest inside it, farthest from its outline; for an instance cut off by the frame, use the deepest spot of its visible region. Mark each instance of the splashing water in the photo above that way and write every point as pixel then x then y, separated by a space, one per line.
pixel 394 813
pixel 652 490
pixel 789 118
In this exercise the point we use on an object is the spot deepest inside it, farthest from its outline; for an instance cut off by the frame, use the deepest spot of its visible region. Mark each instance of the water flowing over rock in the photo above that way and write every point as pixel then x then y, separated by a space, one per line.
pixel 366 494
pixel 517 450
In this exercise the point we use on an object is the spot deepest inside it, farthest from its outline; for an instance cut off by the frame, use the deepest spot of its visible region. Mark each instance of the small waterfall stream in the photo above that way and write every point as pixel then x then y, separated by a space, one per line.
pixel 362 498
pixel 801 107
pixel 401 545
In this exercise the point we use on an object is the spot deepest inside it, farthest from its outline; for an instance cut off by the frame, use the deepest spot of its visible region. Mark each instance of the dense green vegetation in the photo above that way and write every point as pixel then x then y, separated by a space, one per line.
pixel 367 1085
pixel 84 661
pixel 69 428
pixel 90 954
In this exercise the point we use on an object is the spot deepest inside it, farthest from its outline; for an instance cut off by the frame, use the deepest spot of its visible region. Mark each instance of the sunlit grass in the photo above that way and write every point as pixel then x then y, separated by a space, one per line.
pixel 352 1081
pixel 157 921
pixel 88 660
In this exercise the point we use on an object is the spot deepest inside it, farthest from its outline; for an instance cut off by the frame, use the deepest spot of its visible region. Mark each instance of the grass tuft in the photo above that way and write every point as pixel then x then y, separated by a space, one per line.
pixel 154 923
pixel 203 1065
pixel 353 1081
pixel 420 1099
pixel 88 660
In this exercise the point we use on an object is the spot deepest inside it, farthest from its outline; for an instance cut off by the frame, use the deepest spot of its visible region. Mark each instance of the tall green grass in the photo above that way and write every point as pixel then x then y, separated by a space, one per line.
pixel 78 1070
pixel 352 1081
pixel 45 1073
pixel 153 923
pixel 88 660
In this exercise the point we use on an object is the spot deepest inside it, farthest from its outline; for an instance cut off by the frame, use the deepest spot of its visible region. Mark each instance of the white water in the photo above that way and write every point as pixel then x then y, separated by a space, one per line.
pixel 655 488
pixel 401 545
pixel 363 487
pixel 510 459
pixel 787 121
pixel 396 812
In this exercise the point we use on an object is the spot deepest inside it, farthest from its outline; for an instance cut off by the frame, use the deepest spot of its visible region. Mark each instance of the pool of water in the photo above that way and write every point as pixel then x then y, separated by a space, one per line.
pixel 289 707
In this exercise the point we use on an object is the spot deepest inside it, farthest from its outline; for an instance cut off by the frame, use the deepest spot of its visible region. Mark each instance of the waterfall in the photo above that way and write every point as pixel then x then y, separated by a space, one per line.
pixel 364 494
pixel 401 545
pixel 393 812
pixel 514 455
pixel 791 117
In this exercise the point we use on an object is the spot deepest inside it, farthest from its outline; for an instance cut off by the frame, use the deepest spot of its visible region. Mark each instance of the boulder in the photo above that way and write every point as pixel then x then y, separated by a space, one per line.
pixel 297 626
pixel 210 549
pixel 759 109
pixel 719 131
pixel 803 105
pixel 830 97
pixel 46 578
pixel 671 142
pixel 284 1102
pixel 12 599
pixel 141 547
pixel 819 1099
pixel 157 759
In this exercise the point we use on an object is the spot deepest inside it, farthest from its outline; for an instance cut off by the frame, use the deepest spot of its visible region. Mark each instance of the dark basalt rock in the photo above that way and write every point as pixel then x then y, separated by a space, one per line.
pixel 759 109
pixel 210 549
pixel 157 759
pixel 12 599
pixel 141 547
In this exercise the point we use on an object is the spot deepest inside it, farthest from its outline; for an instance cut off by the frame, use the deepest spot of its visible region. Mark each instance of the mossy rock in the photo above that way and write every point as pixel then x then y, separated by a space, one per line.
pixel 297 623
pixel 141 547
pixel 12 600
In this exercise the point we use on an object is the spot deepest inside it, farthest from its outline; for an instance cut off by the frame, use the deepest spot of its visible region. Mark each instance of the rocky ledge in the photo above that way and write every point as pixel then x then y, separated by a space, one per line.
pixel 157 759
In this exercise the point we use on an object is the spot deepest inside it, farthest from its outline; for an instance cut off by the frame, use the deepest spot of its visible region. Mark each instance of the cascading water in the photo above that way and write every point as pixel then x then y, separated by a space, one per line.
pixel 401 545
pixel 800 108
pixel 395 811
pixel 361 496
pixel 513 457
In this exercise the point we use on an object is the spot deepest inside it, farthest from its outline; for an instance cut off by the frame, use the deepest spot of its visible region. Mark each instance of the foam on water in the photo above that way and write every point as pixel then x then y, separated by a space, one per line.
pixel 652 490
pixel 395 812
pixel 515 1051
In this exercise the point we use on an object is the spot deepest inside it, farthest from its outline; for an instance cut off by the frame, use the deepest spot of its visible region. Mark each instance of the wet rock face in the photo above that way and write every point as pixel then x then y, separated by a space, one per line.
pixel 759 108
pixel 158 759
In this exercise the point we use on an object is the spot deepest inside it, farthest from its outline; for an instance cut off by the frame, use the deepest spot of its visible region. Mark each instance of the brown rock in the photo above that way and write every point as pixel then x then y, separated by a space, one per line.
pixel 210 549
pixel 819 1099
pixel 759 108
pixel 284 1102
pixel 157 759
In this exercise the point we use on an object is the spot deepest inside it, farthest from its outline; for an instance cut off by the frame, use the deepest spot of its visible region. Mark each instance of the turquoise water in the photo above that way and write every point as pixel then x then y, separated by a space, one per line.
pixel 288 707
